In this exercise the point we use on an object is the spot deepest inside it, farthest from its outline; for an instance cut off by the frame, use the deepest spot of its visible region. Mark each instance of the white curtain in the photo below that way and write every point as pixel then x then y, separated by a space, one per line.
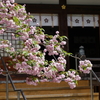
pixel 73 20
pixel 44 20
pixel 76 20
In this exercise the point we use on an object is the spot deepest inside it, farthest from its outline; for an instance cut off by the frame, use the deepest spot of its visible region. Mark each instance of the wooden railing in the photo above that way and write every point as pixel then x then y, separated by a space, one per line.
pixel 94 74
pixel 8 78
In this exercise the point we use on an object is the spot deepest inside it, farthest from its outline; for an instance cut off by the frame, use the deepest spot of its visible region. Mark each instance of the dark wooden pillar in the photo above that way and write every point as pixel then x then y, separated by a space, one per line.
pixel 99 33
pixel 63 24
pixel 63 17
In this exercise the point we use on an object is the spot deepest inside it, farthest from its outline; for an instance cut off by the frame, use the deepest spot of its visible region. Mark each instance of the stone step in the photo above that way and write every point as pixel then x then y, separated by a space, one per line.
pixel 66 96
pixel 49 91
pixel 81 83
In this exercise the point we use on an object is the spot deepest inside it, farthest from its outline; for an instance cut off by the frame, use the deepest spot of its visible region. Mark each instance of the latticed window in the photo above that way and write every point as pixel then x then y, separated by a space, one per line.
pixel 15 43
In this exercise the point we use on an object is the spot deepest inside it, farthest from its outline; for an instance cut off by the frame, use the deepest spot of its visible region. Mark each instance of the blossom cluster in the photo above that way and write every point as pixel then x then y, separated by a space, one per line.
pixel 72 78
pixel 85 66
pixel 42 56
pixel 1 70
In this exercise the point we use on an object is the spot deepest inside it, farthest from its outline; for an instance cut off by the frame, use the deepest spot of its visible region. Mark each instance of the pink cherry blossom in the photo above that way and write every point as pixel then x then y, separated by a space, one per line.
pixel 57 32
pixel 2 31
pixel 85 66
pixel 1 70
pixel 12 1
pixel 42 55
pixel 72 85
pixel 63 43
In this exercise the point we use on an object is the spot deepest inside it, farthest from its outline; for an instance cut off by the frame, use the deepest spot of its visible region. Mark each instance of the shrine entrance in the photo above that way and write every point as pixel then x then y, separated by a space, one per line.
pixel 83 31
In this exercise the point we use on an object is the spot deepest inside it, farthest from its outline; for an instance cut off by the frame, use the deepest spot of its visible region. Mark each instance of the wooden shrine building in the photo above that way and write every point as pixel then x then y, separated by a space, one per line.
pixel 79 21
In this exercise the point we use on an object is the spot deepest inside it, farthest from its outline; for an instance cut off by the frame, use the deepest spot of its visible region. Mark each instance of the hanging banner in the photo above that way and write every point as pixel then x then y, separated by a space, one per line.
pixel 44 20
pixel 81 20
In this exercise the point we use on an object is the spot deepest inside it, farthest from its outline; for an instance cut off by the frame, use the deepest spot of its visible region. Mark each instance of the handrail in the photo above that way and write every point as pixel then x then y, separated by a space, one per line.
pixel 91 72
pixel 13 86
pixel 95 76
pixel 91 84
pixel 83 57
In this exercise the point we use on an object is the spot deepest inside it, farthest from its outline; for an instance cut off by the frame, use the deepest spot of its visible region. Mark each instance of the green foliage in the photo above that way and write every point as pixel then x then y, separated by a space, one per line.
pixel 16 20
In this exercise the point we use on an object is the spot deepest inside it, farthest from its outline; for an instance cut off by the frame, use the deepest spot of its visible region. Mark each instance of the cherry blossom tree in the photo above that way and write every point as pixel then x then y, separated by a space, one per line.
pixel 36 45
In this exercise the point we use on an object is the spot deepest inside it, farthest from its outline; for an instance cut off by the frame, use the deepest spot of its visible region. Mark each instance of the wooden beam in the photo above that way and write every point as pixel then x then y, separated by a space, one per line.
pixel 83 9
pixel 43 8
pixel 62 2
pixel 56 8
